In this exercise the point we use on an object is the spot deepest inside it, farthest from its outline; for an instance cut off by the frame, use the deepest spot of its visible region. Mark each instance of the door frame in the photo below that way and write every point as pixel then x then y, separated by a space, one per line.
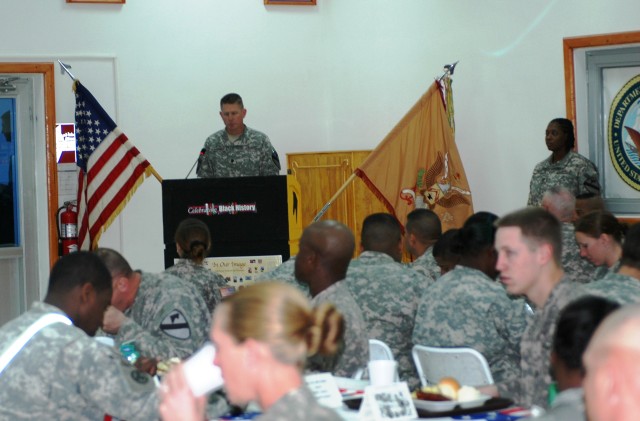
pixel 46 70
pixel 572 43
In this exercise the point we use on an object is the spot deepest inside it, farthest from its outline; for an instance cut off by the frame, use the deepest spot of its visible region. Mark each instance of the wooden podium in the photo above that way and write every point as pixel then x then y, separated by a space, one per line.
pixel 247 216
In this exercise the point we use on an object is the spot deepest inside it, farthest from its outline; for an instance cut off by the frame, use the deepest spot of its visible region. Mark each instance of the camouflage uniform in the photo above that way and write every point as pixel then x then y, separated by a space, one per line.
pixel 574 171
pixel 168 318
pixel 619 288
pixel 467 308
pixel 388 294
pixel 614 268
pixel 576 268
pixel 64 374
pixel 298 404
pixel 285 273
pixel 426 265
pixel 354 353
pixel 249 155
pixel 567 406
pixel 531 388
pixel 207 281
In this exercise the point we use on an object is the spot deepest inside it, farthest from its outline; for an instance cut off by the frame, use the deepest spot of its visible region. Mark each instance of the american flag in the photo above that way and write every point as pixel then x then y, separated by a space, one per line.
pixel 110 168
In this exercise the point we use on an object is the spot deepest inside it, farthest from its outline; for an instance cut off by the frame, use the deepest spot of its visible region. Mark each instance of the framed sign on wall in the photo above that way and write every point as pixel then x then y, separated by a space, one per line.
pixel 97 1
pixel 292 2
pixel 604 105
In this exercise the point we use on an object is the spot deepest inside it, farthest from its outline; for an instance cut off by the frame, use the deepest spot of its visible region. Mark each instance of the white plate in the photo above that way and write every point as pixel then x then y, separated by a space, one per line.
pixel 442 406
pixel 475 403
pixel 435 406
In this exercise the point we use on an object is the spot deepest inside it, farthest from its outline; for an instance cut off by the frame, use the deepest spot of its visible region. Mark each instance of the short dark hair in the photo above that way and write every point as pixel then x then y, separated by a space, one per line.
pixel 477 233
pixel 194 238
pixel 631 248
pixel 566 126
pixel 538 227
pixel 576 324
pixel 380 232
pixel 77 269
pixel 231 99
pixel 117 265
pixel 444 246
pixel 424 224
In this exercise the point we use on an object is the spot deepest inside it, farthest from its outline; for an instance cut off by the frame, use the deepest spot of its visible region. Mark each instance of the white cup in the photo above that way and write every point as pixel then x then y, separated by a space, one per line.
pixel 201 374
pixel 382 372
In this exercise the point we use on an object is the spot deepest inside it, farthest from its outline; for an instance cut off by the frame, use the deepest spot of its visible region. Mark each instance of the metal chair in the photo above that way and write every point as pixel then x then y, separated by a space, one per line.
pixel 466 365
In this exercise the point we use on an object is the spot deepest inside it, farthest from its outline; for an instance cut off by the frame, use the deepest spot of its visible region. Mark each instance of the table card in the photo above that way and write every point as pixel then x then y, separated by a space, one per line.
pixel 390 402
pixel 324 388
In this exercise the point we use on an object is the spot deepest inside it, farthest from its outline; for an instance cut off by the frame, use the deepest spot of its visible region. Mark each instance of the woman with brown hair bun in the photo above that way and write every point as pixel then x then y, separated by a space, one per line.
pixel 600 236
pixel 263 335
pixel 193 243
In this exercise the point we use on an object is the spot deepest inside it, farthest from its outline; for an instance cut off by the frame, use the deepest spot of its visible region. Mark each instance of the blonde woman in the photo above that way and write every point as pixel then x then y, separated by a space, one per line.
pixel 263 335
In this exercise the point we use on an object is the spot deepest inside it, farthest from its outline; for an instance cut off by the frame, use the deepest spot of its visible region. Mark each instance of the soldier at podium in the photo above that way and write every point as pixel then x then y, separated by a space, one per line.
pixel 237 150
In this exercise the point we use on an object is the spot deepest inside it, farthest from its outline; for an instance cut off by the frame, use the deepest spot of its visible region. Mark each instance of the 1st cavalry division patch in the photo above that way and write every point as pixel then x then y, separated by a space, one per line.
pixel 624 132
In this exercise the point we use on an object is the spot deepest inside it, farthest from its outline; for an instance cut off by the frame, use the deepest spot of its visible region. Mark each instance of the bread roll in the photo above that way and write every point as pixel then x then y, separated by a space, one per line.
pixel 449 387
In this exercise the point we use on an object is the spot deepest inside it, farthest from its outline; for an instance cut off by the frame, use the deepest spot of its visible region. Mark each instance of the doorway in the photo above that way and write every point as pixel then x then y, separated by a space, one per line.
pixel 27 216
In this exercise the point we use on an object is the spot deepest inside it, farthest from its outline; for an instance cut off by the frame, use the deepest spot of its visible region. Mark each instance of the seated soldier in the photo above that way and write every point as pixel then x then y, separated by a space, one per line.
pixel 164 316
pixel 51 367
pixel 577 323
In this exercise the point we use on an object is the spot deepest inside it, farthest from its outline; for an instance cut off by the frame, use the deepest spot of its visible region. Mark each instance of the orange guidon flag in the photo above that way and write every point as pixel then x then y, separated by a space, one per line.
pixel 418 165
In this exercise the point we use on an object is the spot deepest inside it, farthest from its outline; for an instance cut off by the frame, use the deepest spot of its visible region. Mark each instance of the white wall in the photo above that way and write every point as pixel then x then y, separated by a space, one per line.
pixel 335 76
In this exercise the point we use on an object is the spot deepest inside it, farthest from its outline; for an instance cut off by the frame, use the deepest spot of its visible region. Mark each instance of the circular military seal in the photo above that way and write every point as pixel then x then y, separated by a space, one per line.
pixel 624 132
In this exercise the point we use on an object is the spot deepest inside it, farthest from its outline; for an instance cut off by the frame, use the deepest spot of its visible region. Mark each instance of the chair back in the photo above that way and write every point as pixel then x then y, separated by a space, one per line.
pixel 466 365
pixel 378 350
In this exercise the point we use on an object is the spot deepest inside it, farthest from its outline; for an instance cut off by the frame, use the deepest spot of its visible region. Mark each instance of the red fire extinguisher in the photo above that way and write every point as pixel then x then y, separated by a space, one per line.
pixel 68 231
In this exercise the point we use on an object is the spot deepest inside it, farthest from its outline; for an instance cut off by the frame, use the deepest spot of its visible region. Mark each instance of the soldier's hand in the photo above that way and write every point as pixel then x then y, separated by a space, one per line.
pixel 147 365
pixel 113 319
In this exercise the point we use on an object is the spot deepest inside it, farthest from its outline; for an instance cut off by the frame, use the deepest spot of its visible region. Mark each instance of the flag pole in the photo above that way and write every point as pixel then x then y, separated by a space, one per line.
pixel 155 173
pixel 66 69
pixel 326 207
pixel 448 70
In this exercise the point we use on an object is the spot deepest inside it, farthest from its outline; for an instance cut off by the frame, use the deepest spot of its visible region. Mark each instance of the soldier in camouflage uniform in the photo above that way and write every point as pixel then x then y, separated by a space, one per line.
pixel 423 229
pixel 387 292
pixel 576 324
pixel 564 167
pixel 443 253
pixel 600 235
pixel 285 273
pixel 237 151
pixel 62 373
pixel 262 334
pixel 326 248
pixel 208 282
pixel 561 203
pixel 164 316
pixel 623 284
pixel 299 405
pixel 467 308
pixel 529 246
pixel 193 243
pixel 616 287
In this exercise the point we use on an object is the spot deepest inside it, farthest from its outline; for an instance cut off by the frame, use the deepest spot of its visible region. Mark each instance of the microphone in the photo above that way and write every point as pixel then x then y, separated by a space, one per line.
pixel 203 152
